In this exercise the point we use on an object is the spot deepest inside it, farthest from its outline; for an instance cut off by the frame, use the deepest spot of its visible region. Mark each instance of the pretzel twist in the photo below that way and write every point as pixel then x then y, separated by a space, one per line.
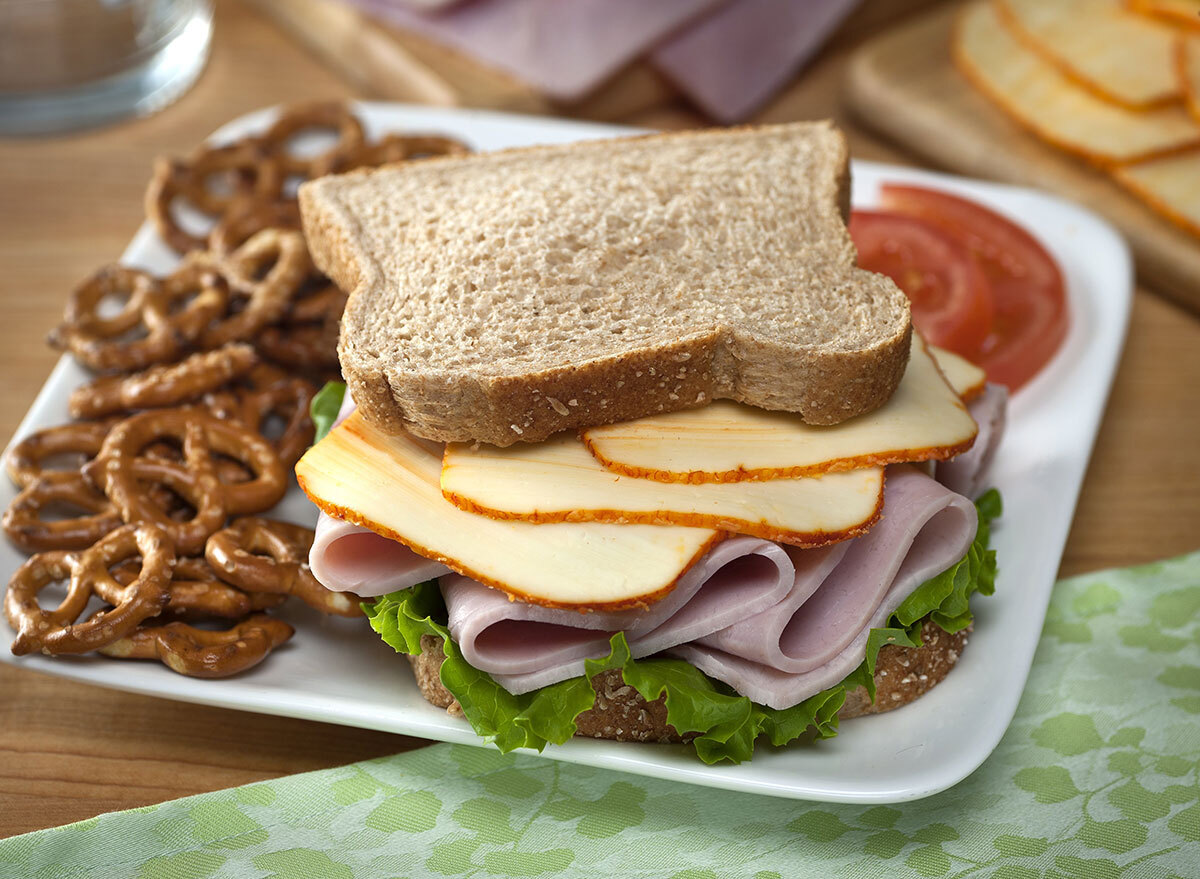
pixel 284 255
pixel 83 438
pixel 202 653
pixel 393 148
pixel 245 162
pixel 288 399
pixel 299 347
pixel 121 474
pixel 196 591
pixel 325 303
pixel 332 116
pixel 245 219
pixel 264 555
pixel 24 521
pixel 162 386
pixel 102 343
pixel 56 631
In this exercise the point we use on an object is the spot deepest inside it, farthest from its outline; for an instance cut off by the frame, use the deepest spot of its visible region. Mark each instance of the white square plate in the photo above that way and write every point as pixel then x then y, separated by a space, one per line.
pixel 338 671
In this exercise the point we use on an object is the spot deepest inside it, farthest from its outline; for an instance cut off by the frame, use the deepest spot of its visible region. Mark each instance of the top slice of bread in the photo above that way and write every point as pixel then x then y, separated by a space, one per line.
pixel 506 296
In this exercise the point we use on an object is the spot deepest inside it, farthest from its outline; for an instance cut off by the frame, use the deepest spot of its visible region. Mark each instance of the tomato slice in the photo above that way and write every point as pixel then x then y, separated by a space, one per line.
pixel 1028 297
pixel 951 303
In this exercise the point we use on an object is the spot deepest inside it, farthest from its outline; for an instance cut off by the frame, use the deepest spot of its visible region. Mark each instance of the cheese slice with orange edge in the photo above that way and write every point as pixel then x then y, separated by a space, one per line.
pixel 967 379
pixel 729 442
pixel 557 480
pixel 391 485
pixel 1043 99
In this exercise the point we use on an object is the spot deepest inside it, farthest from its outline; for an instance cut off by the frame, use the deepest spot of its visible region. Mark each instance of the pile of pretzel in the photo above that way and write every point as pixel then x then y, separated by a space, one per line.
pixel 198 414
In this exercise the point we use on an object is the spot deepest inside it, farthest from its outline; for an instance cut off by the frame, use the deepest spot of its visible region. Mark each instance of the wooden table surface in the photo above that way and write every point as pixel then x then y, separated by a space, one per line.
pixel 69 751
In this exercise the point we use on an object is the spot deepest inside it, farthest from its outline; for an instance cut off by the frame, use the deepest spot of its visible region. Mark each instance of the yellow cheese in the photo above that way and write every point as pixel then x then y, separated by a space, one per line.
pixel 965 377
pixel 390 484
pixel 729 442
pixel 558 481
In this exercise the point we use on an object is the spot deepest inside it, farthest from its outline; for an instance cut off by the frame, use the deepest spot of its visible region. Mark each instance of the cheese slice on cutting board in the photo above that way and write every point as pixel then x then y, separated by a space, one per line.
pixel 557 480
pixel 729 442
pixel 391 485
pixel 967 379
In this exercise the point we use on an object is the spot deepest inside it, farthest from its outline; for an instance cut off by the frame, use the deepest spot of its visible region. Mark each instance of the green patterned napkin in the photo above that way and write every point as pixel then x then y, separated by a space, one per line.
pixel 1098 777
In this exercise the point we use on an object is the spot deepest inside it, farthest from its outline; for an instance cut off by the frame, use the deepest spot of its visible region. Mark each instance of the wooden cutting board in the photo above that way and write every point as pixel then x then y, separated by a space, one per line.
pixel 905 85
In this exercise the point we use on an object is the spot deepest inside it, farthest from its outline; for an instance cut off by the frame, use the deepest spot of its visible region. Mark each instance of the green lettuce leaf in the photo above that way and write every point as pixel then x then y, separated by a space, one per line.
pixel 324 408
pixel 725 725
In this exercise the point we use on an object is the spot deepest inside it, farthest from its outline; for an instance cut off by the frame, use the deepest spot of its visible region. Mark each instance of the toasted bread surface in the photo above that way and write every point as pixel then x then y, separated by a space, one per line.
pixel 506 296
pixel 901 675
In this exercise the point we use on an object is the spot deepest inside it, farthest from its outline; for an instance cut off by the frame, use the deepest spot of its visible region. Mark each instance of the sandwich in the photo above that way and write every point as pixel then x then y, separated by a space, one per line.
pixel 630 448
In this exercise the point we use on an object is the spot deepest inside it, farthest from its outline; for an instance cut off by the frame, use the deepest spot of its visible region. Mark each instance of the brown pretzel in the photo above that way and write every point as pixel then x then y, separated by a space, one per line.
pixel 201 653
pixel 77 438
pixel 162 385
pixel 263 555
pixel 25 526
pixel 246 218
pixel 289 399
pixel 104 343
pixel 196 591
pixel 324 303
pixel 285 256
pixel 251 172
pixel 120 480
pixel 298 347
pixel 325 115
pixel 390 149
pixel 122 475
pixel 196 294
pixel 55 631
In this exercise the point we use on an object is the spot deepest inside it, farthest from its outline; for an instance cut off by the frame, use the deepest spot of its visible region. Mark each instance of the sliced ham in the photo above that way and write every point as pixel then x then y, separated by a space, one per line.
pixel 784 655
pixel 732 60
pixel 347 558
pixel 525 646
pixel 925 528
pixel 967 474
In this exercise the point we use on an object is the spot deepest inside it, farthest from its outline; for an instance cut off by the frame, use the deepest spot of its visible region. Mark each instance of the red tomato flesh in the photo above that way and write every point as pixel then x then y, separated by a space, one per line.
pixel 1028 297
pixel 950 299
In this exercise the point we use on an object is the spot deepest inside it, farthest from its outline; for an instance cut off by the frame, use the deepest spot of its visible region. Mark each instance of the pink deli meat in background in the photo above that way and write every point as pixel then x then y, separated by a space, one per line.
pixel 562 48
pixel 732 61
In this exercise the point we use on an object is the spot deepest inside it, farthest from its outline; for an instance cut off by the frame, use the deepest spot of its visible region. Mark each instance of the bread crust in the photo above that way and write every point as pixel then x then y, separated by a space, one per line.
pixel 902 674
pixel 729 358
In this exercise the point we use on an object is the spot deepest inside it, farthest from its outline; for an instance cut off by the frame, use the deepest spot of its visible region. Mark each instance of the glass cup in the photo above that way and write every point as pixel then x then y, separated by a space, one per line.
pixel 69 64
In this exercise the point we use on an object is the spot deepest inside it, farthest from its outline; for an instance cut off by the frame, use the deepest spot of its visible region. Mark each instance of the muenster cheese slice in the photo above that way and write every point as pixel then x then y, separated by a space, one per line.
pixel 1102 45
pixel 390 484
pixel 965 377
pixel 729 442
pixel 557 480
pixel 1055 108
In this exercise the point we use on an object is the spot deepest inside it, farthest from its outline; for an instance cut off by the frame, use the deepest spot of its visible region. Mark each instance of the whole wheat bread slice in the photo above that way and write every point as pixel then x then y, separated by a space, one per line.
pixel 507 296
pixel 902 674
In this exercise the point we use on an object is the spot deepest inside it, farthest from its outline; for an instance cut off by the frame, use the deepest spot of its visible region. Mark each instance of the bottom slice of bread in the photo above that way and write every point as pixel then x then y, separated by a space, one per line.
pixel 901 675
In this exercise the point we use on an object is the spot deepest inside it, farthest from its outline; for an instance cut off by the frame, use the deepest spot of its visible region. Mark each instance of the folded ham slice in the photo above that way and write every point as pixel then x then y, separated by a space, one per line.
pixel 347 558
pixel 967 473
pixel 795 649
pixel 525 646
